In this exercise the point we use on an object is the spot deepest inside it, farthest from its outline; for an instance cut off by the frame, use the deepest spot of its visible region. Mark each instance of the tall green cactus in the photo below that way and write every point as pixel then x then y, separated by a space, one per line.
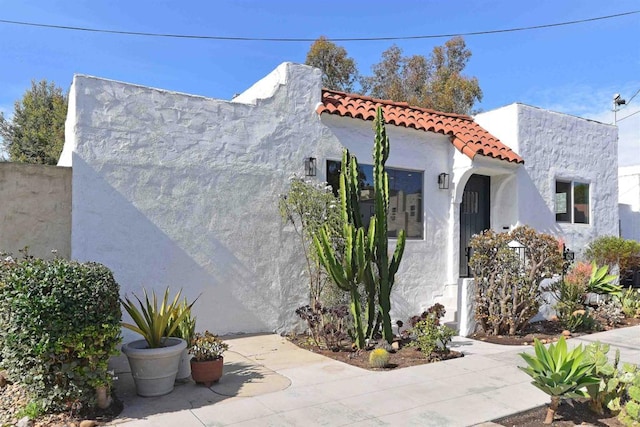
pixel 352 267
pixel 365 260
pixel 380 256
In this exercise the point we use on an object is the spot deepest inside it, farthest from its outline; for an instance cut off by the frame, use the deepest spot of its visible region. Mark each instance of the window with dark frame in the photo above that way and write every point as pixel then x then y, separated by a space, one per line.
pixel 405 197
pixel 572 202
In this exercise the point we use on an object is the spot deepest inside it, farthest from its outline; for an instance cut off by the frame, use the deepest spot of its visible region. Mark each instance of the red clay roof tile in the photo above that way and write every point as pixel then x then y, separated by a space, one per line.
pixel 466 135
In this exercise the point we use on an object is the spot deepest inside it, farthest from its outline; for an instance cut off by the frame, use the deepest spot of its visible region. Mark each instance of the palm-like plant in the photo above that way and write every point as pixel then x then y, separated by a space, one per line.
pixel 155 322
pixel 559 373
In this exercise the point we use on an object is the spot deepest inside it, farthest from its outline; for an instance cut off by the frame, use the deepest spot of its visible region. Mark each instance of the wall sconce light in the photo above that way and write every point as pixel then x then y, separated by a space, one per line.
pixel 310 166
pixel 443 181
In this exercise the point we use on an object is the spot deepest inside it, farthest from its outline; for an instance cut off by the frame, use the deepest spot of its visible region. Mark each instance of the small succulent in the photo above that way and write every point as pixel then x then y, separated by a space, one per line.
pixel 379 358
pixel 207 346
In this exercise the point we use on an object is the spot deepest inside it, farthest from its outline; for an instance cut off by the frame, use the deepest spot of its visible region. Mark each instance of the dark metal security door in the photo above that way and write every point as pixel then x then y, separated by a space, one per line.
pixel 474 216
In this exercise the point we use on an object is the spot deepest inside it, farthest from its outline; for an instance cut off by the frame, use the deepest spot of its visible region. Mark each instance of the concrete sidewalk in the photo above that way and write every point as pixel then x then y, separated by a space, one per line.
pixel 271 382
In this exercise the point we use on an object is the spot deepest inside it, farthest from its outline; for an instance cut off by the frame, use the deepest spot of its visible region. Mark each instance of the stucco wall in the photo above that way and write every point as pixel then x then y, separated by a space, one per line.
pixel 180 190
pixel 629 202
pixel 35 209
pixel 559 146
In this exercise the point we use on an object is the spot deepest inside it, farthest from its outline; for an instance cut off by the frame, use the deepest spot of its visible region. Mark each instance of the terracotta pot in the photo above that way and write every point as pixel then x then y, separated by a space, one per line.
pixel 206 372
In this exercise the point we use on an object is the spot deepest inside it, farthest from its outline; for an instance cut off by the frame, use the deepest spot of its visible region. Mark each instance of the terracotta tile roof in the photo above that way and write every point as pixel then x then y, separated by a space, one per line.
pixel 466 135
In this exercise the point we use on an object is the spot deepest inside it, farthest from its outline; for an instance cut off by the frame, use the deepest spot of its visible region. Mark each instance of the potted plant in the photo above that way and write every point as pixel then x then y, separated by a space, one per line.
pixel 185 330
pixel 207 361
pixel 154 360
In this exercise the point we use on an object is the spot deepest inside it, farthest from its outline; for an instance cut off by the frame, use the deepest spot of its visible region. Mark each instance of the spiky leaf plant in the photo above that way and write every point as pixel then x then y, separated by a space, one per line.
pixel 153 321
pixel 602 283
pixel 560 373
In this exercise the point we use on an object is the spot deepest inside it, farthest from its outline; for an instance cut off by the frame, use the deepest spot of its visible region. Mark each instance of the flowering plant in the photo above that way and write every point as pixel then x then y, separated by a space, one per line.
pixel 207 346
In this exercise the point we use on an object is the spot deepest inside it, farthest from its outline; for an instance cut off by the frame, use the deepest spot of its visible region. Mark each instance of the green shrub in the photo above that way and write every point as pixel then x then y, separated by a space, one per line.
pixel 613 251
pixel 309 206
pixel 630 413
pixel 60 323
pixel 631 303
pixel 428 334
pixel 580 320
pixel 609 391
pixel 508 290
pixel 570 294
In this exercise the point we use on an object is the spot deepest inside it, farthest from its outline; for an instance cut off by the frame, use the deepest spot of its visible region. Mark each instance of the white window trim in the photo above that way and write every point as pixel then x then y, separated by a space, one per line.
pixel 573 183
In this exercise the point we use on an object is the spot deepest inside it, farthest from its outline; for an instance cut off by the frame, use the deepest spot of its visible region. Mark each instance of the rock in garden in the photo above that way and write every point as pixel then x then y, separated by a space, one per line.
pixel 88 423
pixel 566 333
pixel 24 422
pixel 395 346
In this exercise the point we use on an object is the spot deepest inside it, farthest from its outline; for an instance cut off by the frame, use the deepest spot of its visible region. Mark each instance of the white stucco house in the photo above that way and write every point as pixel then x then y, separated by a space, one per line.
pixel 181 190
pixel 629 199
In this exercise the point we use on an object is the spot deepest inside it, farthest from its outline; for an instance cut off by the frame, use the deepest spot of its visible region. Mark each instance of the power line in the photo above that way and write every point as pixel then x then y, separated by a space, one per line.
pixel 626 117
pixel 285 39
pixel 634 95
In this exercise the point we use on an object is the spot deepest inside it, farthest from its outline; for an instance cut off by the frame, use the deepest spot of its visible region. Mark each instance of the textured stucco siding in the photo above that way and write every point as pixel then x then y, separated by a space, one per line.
pixel 558 146
pixel 629 202
pixel 35 209
pixel 180 190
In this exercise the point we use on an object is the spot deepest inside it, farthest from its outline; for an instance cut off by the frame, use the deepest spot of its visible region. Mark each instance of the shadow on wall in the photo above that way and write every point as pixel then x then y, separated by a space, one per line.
pixel 629 222
pixel 109 229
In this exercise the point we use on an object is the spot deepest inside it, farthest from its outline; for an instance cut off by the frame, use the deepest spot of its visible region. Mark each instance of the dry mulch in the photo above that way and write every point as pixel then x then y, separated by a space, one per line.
pixel 570 413
pixel 13 397
pixel 545 331
pixel 403 357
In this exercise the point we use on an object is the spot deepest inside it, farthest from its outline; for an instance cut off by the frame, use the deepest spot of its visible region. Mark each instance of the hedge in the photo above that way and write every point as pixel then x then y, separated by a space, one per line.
pixel 59 324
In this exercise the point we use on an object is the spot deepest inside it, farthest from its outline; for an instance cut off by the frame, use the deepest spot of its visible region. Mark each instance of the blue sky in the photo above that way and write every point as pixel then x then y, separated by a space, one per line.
pixel 573 69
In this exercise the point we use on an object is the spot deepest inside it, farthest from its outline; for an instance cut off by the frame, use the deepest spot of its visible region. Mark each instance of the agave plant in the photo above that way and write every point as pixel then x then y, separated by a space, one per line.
pixel 154 322
pixel 559 373
pixel 602 283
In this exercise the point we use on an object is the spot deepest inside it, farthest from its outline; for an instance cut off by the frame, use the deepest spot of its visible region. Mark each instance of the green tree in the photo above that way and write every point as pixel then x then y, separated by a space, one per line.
pixel 449 90
pixel 435 82
pixel 35 133
pixel 339 71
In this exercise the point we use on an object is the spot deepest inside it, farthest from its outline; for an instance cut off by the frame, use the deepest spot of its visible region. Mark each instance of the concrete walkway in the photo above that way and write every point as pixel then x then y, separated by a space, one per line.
pixel 270 382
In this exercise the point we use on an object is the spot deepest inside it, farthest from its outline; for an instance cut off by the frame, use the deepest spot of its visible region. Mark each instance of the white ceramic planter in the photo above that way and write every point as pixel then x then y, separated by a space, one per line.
pixel 184 369
pixel 154 370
